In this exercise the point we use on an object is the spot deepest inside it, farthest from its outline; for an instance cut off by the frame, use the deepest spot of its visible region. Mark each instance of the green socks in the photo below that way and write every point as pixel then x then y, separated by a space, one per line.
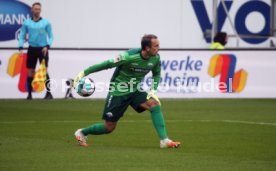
pixel 158 121
pixel 96 129
pixel 156 116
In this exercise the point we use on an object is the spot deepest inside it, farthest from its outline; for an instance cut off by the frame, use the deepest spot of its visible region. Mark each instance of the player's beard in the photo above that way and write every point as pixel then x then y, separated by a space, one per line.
pixel 36 15
pixel 154 54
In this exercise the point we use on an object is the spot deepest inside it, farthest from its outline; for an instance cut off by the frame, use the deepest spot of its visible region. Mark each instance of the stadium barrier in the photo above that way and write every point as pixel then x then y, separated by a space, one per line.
pixel 185 73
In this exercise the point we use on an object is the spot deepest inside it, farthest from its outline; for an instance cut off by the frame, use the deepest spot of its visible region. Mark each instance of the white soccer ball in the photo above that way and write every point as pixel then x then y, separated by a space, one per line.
pixel 85 87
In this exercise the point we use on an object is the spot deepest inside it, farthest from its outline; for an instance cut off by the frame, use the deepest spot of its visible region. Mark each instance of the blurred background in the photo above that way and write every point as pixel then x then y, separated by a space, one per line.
pixel 88 32
pixel 220 128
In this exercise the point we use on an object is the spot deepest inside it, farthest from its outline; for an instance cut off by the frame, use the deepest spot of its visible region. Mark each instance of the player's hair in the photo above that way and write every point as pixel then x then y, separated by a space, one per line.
pixel 36 3
pixel 146 40
pixel 221 38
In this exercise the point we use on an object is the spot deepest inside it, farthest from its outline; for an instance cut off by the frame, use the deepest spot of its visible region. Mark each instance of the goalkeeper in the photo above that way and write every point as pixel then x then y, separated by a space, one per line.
pixel 131 68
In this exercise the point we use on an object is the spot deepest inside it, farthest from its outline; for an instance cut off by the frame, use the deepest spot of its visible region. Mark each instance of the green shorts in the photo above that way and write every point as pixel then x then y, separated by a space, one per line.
pixel 115 106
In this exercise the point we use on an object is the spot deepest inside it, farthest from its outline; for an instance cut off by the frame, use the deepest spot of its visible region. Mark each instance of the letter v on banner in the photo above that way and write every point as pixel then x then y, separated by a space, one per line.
pixel 203 18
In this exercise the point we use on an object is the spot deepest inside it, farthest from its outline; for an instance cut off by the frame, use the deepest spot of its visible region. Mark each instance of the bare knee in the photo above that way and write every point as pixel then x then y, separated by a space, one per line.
pixel 149 104
pixel 110 126
pixel 31 72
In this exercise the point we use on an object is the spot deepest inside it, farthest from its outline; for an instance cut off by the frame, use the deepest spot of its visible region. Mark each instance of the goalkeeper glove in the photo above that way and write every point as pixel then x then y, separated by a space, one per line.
pixel 77 79
pixel 151 94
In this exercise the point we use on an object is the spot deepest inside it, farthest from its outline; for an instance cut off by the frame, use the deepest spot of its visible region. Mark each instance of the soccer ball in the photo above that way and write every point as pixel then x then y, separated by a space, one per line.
pixel 85 87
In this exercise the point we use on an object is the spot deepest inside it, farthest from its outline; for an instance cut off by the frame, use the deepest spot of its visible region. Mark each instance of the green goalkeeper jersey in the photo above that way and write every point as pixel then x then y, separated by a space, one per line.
pixel 131 68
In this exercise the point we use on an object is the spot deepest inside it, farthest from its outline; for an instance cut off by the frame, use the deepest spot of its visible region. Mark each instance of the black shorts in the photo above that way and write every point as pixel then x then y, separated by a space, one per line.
pixel 115 106
pixel 34 54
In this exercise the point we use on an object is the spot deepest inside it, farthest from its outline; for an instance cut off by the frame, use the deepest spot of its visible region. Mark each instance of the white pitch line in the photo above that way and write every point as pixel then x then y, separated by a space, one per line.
pixel 249 122
pixel 133 121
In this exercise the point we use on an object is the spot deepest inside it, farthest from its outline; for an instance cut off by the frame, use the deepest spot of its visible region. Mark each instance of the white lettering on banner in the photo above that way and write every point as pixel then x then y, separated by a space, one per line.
pixel 13 19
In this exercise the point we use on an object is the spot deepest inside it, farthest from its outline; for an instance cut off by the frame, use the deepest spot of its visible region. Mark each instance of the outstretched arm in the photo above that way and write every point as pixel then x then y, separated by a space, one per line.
pixel 104 65
pixel 121 59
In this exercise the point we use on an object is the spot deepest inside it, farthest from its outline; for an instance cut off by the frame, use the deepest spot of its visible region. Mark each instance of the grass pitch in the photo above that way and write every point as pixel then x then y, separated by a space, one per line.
pixel 235 134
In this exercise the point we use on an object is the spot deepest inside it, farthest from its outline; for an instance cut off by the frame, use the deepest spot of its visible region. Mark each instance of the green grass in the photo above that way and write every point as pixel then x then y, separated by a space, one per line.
pixel 215 135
